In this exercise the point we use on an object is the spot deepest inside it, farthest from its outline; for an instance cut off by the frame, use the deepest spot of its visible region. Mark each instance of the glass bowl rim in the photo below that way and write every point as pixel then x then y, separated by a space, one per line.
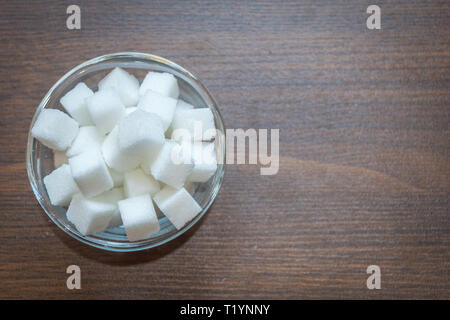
pixel 129 246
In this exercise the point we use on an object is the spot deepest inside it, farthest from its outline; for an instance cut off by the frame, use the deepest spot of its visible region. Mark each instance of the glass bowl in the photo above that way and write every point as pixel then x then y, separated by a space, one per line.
pixel 40 158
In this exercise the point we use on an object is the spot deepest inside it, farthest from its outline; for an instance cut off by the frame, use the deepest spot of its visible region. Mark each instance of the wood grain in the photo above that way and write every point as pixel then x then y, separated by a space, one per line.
pixel 364 144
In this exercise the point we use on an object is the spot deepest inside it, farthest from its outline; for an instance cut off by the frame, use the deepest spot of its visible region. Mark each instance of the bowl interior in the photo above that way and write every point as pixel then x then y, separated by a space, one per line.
pixel 40 158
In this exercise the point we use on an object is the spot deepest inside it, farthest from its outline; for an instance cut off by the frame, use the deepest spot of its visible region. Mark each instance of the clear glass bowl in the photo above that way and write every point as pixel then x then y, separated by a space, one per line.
pixel 40 158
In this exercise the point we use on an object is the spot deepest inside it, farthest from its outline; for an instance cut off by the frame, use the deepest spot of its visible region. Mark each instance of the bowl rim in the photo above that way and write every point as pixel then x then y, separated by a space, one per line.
pixel 125 247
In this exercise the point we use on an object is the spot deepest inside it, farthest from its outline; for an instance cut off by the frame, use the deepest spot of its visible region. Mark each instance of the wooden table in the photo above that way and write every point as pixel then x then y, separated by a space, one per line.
pixel 364 149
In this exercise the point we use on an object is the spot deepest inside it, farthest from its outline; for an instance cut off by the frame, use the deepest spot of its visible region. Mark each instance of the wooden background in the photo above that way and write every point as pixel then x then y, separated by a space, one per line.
pixel 364 142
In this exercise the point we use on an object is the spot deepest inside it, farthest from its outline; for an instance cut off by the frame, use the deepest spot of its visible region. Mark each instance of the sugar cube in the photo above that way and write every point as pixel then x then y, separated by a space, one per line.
pixel 105 108
pixel 125 84
pixel 137 183
pixel 181 105
pixel 55 129
pixel 89 216
pixel 140 134
pixel 199 123
pixel 88 138
pixel 91 173
pixel 59 158
pixel 60 186
pixel 171 165
pixel 177 205
pixel 163 83
pixel 115 158
pixel 112 196
pixel 204 159
pixel 74 102
pixel 117 177
pixel 139 217
pixel 162 106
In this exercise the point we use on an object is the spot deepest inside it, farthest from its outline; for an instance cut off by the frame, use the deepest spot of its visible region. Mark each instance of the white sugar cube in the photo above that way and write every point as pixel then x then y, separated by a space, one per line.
pixel 60 186
pixel 162 106
pixel 139 217
pixel 163 83
pixel 204 159
pixel 59 158
pixel 74 102
pixel 105 108
pixel 181 105
pixel 125 84
pixel 91 173
pixel 55 129
pixel 137 183
pixel 88 138
pixel 117 177
pixel 89 216
pixel 198 122
pixel 171 165
pixel 140 134
pixel 177 205
pixel 112 196
pixel 115 158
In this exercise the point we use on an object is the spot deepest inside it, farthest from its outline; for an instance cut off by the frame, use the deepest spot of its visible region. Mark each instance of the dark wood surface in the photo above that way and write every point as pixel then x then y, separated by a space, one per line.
pixel 364 142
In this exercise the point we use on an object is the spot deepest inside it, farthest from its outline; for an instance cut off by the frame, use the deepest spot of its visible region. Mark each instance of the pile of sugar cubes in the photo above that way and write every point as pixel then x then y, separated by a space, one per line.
pixel 119 152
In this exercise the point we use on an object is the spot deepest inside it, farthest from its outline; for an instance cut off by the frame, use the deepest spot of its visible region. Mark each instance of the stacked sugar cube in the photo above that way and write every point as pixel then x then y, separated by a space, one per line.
pixel 122 150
